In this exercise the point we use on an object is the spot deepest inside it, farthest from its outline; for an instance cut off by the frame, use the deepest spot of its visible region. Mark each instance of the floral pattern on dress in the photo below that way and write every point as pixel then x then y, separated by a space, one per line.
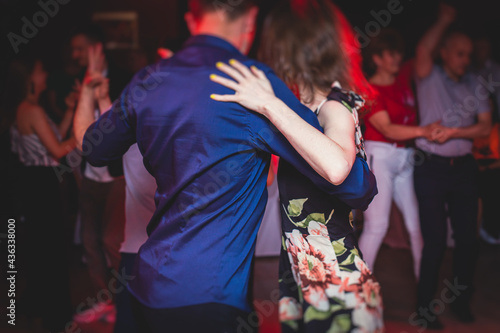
pixel 336 292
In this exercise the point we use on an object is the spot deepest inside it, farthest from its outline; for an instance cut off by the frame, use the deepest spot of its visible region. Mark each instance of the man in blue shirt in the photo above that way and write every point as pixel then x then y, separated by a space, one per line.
pixel 210 161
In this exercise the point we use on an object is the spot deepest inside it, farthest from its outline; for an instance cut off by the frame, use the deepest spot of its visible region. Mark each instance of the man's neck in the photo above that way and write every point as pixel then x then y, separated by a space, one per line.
pixel 212 25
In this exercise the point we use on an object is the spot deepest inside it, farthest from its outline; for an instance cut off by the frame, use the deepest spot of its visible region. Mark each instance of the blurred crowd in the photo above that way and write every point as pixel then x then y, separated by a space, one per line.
pixel 431 131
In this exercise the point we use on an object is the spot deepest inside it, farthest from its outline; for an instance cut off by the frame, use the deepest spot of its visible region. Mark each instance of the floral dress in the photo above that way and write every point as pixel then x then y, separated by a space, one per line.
pixel 325 286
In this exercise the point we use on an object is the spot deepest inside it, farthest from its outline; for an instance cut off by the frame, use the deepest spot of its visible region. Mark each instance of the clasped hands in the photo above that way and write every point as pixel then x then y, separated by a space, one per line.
pixel 438 133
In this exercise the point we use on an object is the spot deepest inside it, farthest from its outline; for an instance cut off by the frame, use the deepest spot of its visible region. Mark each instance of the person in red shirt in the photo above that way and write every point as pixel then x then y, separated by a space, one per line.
pixel 390 127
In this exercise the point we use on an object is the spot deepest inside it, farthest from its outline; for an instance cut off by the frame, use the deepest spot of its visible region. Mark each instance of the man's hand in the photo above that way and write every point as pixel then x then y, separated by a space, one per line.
pixel 432 130
pixel 443 134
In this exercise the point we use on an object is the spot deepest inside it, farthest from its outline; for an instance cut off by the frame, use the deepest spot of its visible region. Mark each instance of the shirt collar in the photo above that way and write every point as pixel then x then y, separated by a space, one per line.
pixel 211 41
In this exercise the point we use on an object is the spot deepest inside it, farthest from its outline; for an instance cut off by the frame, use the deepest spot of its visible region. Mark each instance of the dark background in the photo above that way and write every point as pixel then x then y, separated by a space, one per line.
pixel 161 22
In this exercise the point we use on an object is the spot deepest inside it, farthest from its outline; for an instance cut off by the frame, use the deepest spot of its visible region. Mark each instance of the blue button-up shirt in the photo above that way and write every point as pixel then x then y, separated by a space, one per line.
pixel 210 160
pixel 455 104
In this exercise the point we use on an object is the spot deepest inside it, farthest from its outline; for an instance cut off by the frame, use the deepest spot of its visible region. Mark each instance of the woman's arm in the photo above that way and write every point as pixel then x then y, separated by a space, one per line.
pixel 382 123
pixel 66 122
pixel 44 131
pixel 71 102
pixel 327 157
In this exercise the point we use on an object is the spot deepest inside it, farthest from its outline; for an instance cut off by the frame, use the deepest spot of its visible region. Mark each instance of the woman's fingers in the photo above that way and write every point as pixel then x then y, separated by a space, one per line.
pixel 223 98
pixel 225 82
pixel 241 68
pixel 96 58
pixel 257 72
pixel 225 68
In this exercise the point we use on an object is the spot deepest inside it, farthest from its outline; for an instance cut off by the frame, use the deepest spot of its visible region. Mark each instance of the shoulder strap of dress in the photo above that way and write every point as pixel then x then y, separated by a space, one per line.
pixel 352 102
pixel 321 105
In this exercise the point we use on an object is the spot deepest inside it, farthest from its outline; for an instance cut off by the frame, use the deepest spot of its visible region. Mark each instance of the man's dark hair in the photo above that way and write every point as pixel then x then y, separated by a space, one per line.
pixel 92 32
pixel 233 8
pixel 387 40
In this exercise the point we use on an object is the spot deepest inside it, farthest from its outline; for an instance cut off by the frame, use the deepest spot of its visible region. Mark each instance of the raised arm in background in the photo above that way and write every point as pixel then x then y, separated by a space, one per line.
pixel 94 93
pixel 424 58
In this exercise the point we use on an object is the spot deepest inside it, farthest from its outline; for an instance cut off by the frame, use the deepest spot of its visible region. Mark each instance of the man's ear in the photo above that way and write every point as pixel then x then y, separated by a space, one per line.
pixel 191 22
pixel 251 19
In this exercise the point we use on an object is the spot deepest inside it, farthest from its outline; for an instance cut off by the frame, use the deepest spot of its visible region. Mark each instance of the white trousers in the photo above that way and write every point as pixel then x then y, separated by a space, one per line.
pixel 393 168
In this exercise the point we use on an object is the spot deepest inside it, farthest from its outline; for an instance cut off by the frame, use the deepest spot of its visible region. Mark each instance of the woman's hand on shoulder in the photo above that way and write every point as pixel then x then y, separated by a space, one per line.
pixel 252 88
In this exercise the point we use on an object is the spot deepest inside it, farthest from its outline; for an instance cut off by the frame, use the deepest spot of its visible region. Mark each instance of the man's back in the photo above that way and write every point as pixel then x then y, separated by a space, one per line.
pixel 211 188
pixel 210 167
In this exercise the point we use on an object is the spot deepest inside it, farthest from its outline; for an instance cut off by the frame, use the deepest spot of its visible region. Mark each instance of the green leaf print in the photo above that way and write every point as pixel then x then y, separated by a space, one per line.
pixel 292 324
pixel 314 314
pixel 301 296
pixel 317 217
pixel 295 207
pixel 341 324
pixel 355 252
pixel 283 242
pixel 349 260
pixel 320 218
pixel 345 269
pixel 339 247
pixel 348 107
pixel 339 302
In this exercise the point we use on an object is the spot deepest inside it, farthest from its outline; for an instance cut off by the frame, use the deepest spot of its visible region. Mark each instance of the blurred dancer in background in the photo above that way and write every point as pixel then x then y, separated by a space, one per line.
pixel 102 190
pixel 446 181
pixel 391 125
pixel 38 143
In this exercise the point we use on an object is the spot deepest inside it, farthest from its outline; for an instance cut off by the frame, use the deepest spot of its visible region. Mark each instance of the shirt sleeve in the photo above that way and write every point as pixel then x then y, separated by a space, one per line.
pixel 376 106
pixel 357 190
pixel 107 139
pixel 483 104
